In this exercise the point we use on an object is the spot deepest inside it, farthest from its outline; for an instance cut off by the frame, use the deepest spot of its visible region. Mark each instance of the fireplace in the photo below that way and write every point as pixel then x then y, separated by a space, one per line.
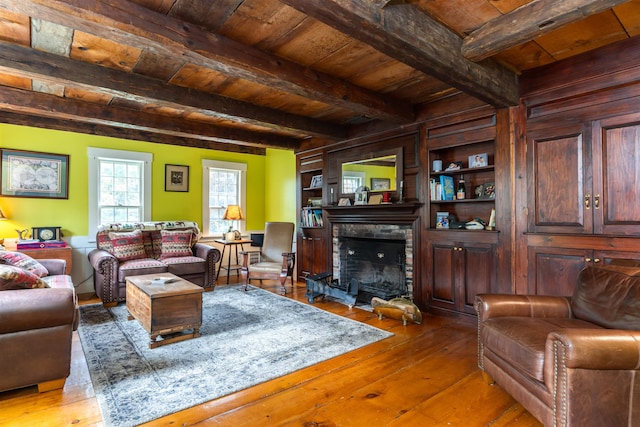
pixel 384 238
pixel 377 265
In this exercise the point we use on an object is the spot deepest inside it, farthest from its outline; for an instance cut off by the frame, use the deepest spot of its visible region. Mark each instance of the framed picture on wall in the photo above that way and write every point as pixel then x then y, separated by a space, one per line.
pixel 176 178
pixel 35 174
pixel 380 184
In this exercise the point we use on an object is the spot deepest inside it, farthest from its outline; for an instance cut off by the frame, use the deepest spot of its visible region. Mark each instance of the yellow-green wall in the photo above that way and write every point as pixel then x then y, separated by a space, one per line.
pixel 270 181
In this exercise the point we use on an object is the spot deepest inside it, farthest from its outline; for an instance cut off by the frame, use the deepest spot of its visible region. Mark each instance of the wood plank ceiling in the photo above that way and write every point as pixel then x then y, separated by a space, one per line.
pixel 243 75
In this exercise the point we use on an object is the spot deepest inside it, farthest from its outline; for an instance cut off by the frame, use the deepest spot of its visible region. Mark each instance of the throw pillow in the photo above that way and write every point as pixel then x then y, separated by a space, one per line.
pixel 127 246
pixel 12 277
pixel 23 261
pixel 176 243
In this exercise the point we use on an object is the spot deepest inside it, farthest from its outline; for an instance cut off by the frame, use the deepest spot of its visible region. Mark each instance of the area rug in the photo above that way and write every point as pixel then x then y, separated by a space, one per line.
pixel 247 338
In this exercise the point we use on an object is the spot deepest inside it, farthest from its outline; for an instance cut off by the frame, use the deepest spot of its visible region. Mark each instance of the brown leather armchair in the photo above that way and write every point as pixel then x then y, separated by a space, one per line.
pixel 275 259
pixel 36 327
pixel 570 361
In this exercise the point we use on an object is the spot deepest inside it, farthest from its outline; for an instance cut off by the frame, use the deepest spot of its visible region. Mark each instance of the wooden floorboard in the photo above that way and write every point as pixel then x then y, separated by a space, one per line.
pixel 425 375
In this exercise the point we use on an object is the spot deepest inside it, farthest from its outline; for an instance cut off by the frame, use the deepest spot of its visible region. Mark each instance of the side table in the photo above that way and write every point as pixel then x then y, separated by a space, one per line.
pixel 229 267
pixel 49 253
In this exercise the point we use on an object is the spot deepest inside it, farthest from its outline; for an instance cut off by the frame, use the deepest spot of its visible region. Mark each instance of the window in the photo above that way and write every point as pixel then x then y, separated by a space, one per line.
pixel 223 184
pixel 119 186
pixel 351 181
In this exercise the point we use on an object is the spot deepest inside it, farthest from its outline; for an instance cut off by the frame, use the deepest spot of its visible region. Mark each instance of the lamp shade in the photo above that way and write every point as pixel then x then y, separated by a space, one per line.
pixel 233 213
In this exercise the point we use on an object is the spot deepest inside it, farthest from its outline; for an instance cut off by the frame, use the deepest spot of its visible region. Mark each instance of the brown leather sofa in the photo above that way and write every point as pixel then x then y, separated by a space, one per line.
pixel 36 332
pixel 570 361
pixel 198 265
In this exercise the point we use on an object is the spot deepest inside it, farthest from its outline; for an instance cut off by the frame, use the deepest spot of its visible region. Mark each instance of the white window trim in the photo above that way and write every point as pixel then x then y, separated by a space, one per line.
pixel 94 182
pixel 219 164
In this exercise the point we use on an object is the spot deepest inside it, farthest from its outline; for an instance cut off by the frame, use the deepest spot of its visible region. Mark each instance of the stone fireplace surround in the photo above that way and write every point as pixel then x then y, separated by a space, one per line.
pixel 390 222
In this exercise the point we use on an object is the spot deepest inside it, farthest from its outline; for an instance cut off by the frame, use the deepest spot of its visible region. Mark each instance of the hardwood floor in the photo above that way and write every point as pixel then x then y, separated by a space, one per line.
pixel 425 375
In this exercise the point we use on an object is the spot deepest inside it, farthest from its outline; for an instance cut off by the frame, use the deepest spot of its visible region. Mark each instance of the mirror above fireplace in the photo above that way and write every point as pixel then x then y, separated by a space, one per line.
pixel 380 171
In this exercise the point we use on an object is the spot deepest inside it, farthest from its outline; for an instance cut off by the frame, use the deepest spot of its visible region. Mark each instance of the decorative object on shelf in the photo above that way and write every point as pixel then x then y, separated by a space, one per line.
pixel 442 219
pixel 475 224
pixel 386 198
pixel 316 181
pixel 401 193
pixel 375 199
pixel 380 184
pixel 35 174
pixel 489 190
pixel 485 191
pixel 46 233
pixel 314 201
pixel 454 166
pixel 232 213
pixel 492 221
pixel 23 234
pixel 478 160
pixel 344 201
pixel 437 165
pixel 462 189
pixel 332 200
pixel 448 191
pixel 361 195
pixel 176 178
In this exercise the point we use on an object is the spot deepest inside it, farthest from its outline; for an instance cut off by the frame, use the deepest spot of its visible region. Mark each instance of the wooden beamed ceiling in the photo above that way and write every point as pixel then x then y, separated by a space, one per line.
pixel 245 75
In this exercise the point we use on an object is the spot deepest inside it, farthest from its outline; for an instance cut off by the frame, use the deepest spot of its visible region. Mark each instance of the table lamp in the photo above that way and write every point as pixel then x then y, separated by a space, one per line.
pixel 232 213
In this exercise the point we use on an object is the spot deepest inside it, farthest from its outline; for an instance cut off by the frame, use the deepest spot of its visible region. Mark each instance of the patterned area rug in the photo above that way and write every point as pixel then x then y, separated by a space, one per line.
pixel 247 338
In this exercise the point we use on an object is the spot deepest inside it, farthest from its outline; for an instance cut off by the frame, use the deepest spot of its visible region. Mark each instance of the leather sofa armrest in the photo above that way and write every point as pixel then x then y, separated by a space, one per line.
pixel 581 368
pixel 211 255
pixel 598 349
pixel 507 305
pixel 27 309
pixel 208 252
pixel 102 260
pixel 55 267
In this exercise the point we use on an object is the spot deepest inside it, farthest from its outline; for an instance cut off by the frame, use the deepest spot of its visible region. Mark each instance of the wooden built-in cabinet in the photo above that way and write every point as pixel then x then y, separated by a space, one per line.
pixel 461 266
pixel 582 197
pixel 311 236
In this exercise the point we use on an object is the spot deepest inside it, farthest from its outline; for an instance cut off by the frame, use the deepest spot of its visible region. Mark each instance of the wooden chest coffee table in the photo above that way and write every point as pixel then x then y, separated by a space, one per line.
pixel 167 309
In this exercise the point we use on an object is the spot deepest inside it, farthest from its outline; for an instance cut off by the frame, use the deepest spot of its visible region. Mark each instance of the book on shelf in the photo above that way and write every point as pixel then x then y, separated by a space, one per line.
pixel 448 190
pixel 37 244
pixel 311 218
pixel 435 189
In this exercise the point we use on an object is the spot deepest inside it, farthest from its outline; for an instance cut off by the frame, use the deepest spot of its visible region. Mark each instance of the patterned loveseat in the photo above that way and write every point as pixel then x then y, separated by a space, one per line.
pixel 132 249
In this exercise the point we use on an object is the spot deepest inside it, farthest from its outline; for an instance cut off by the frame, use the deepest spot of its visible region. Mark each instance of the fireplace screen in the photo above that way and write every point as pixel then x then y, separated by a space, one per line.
pixel 378 266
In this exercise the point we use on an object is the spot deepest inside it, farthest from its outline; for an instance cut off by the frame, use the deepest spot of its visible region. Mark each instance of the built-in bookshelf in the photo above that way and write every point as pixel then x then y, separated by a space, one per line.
pixel 473 162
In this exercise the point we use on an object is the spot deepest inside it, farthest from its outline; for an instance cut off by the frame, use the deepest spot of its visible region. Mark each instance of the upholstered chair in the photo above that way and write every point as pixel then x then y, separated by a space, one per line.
pixel 274 260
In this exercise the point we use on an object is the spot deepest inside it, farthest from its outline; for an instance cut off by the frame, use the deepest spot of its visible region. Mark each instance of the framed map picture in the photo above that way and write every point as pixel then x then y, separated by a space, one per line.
pixel 34 174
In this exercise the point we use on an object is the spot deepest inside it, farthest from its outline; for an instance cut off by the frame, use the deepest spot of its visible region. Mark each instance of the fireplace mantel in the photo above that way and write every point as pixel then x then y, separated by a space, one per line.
pixel 396 213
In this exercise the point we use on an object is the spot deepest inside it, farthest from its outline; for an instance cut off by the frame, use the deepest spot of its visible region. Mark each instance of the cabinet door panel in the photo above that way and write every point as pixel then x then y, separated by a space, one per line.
pixel 616 175
pixel 443 273
pixel 553 271
pixel 556 188
pixel 478 274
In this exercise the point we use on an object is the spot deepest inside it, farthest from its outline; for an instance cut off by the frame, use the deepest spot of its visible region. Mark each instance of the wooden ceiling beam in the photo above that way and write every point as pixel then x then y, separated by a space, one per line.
pixel 45 105
pixel 528 22
pixel 35 64
pixel 133 25
pixel 414 38
pixel 22 119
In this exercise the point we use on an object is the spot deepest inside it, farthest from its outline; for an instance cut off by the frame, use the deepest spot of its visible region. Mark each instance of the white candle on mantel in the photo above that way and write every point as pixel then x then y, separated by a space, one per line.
pixel 401 184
